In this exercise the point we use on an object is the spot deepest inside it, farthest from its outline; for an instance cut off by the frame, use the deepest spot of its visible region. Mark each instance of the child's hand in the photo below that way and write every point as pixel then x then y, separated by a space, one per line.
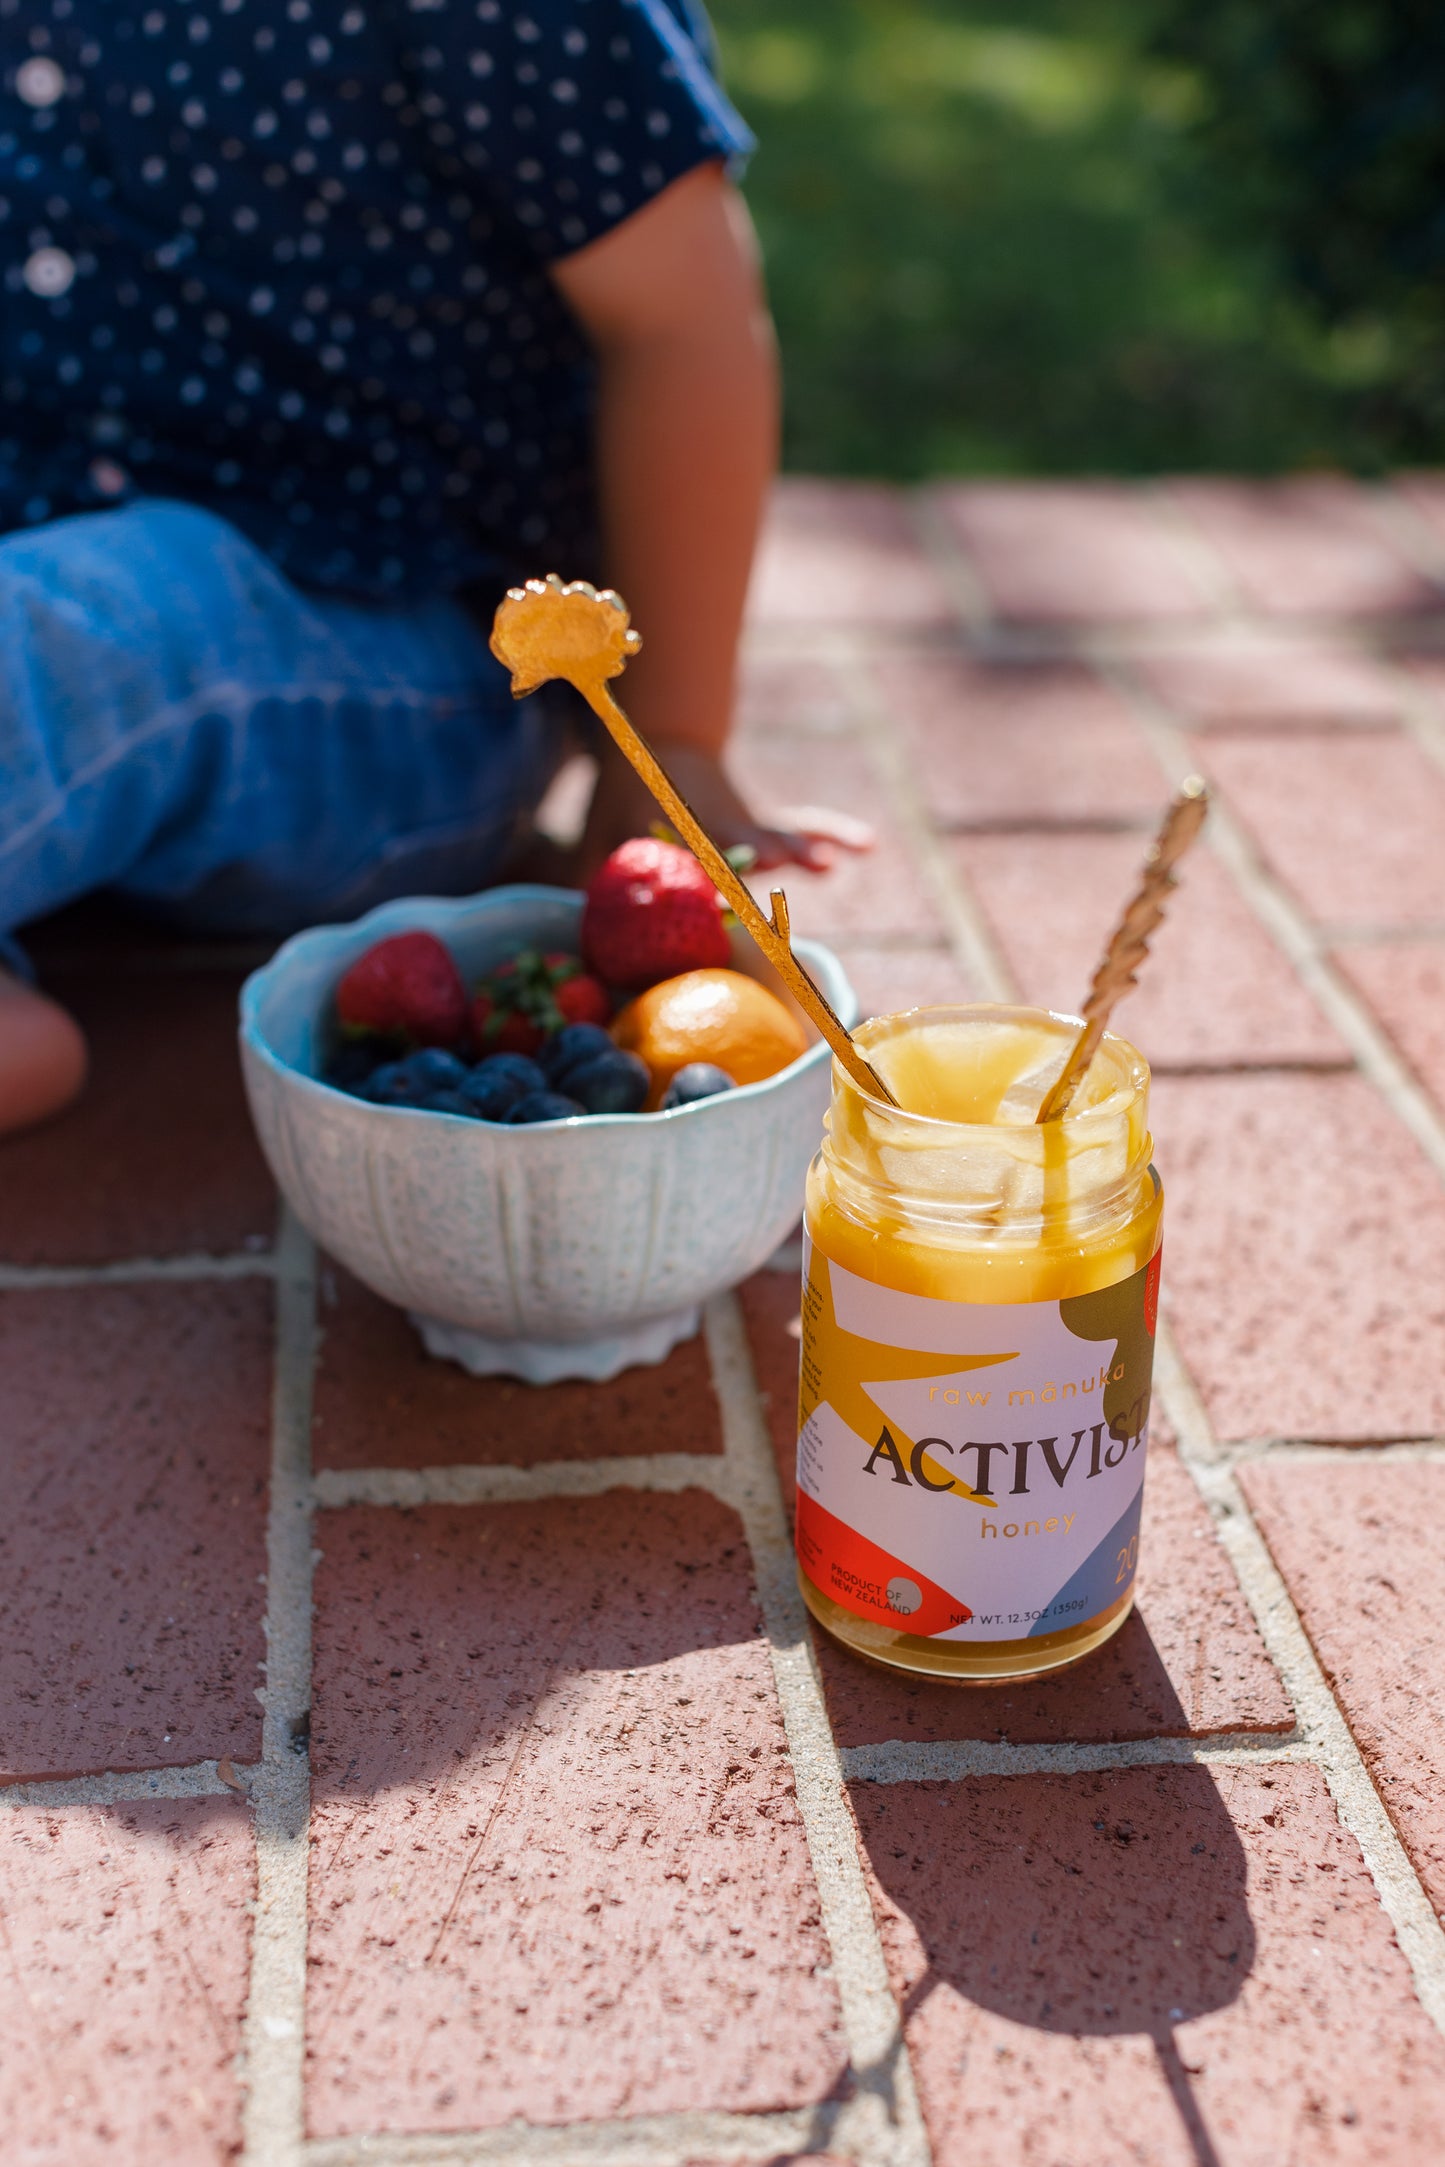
pixel 623 806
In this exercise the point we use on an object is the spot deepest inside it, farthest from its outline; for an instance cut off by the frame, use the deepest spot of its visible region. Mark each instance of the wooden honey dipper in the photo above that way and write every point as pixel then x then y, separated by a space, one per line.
pixel 545 630
pixel 1129 941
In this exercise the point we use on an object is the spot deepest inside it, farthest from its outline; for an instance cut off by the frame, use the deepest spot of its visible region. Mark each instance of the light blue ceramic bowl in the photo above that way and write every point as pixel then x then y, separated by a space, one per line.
pixel 569 1249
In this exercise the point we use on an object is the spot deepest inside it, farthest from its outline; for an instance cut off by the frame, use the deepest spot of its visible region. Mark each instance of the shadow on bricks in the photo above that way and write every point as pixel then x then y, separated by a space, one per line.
pixel 1091 1907
pixel 1122 1691
pixel 558 1868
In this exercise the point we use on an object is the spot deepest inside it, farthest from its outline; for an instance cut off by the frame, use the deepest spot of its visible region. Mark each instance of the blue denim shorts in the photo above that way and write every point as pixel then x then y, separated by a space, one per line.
pixel 181 726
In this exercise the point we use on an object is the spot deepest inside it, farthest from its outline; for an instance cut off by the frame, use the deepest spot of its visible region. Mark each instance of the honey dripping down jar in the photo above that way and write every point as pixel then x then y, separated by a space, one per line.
pixel 980 1295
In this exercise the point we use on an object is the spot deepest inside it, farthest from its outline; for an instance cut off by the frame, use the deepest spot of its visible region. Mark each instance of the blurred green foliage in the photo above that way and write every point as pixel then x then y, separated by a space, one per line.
pixel 1036 240
pixel 1328 116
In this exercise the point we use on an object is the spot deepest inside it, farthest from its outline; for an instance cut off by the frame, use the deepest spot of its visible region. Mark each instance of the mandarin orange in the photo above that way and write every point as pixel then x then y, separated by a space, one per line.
pixel 712 1015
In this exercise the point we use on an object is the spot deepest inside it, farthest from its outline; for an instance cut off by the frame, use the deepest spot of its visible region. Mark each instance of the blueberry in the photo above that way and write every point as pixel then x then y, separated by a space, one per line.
pixel 490 1098
pixel 699 1080
pixel 612 1083
pixel 449 1102
pixel 544 1106
pixel 571 1046
pixel 493 1087
pixel 431 1069
pixel 388 1085
pixel 525 1074
pixel 354 1061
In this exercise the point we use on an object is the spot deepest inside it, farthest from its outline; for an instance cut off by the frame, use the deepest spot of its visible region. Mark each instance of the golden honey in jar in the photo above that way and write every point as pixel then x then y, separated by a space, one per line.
pixel 980 1296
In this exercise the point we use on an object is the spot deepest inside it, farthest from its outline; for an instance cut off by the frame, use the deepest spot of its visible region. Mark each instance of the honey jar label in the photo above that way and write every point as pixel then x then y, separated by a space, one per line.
pixel 972 1472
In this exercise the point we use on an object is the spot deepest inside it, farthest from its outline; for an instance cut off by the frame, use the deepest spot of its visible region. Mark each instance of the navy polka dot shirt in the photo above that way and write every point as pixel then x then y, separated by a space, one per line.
pixel 288 259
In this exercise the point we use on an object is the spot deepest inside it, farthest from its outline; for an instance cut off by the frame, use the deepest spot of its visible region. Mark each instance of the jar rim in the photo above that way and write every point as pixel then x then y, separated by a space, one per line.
pixel 1132 1070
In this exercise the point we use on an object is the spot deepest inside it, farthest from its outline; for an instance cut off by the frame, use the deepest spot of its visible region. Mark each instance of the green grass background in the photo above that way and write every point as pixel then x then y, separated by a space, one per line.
pixel 993 247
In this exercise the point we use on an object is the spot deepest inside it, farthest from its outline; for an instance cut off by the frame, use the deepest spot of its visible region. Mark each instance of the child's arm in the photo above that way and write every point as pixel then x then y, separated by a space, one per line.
pixel 686 448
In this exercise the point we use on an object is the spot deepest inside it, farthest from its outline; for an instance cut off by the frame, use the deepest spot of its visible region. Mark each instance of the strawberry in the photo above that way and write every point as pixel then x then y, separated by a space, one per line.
pixel 504 1030
pixel 652 913
pixel 407 987
pixel 527 999
pixel 583 999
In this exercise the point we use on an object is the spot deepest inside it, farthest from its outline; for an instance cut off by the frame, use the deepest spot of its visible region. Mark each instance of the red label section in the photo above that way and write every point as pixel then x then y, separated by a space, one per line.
pixel 868 1580
pixel 1151 1292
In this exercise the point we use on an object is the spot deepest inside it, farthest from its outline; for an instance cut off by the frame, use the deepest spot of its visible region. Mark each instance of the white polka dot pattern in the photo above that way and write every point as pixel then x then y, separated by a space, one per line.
pixel 287 258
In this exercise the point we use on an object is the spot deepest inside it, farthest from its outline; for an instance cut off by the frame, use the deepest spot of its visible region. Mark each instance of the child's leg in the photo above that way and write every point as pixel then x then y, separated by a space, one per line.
pixel 181 724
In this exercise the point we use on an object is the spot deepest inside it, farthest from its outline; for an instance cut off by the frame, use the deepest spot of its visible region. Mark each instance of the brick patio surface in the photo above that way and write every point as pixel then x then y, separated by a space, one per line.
pixel 397 1768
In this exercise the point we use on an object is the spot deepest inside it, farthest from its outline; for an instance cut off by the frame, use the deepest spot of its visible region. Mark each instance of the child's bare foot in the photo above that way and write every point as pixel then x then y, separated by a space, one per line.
pixel 42 1056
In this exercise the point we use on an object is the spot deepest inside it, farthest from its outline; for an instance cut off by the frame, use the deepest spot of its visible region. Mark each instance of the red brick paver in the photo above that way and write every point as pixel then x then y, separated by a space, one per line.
pixel 1254 680
pixel 1022 745
pixel 382 1401
pixel 1359 1547
pixel 886 979
pixel 1351 823
pixel 782 693
pixel 841 554
pixel 1074 552
pixel 1217 994
pixel 770 1307
pixel 132 1531
pixel 126 1934
pixel 1304 1257
pixel 1173 1965
pixel 1318 547
pixel 1405 986
pixel 558 1869
pixel 160 1158
pixel 880 892
pixel 1425 495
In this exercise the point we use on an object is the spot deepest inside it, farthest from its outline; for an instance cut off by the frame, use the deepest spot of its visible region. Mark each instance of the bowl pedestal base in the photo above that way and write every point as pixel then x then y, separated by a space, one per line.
pixel 549 1361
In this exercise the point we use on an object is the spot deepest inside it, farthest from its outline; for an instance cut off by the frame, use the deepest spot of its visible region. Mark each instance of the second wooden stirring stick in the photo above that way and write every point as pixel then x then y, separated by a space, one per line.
pixel 1129 942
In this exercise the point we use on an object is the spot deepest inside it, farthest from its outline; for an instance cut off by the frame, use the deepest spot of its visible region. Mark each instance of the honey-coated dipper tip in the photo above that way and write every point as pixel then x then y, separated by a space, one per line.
pixel 551 628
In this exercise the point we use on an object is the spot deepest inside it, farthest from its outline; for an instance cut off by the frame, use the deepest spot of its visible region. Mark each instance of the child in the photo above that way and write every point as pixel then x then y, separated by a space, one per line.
pixel 324 320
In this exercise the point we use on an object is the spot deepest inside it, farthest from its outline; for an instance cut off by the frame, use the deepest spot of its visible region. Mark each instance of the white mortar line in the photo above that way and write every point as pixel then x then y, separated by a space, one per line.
pixel 248 1264
pixel 1224 604
pixel 471 1484
pixel 1324 1730
pixel 1254 1449
pixel 1355 933
pixel 883 2124
pixel 200 1780
pixel 647 2140
pixel 950 560
pixel 1292 932
pixel 954 1760
pixel 273 2037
